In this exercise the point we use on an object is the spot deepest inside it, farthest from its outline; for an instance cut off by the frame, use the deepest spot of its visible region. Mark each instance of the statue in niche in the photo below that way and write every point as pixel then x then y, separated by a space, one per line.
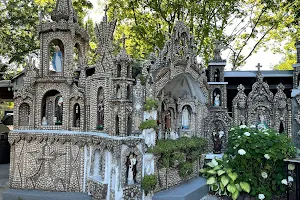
pixel 217 100
pixel 217 139
pixel 185 120
pixel 131 169
pixel 262 124
pixel 101 113
pixel 168 121
pixel 59 111
pixel 57 59
pixel 44 121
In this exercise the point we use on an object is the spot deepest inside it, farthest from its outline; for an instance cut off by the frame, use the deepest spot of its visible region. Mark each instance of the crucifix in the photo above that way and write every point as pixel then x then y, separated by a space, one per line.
pixel 258 67
pixel 123 40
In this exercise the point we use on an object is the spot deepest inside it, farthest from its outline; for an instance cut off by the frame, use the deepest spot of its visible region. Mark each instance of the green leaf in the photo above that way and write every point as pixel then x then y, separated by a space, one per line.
pixel 202 171
pixel 231 188
pixel 214 187
pixel 238 187
pixel 235 195
pixel 245 186
pixel 224 180
pixel 222 187
pixel 233 176
pixel 210 164
pixel 220 172
pixel 213 172
pixel 211 180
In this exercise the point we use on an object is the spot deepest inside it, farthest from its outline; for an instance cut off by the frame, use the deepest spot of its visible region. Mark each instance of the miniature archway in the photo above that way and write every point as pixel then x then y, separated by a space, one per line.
pixel 186 117
pixel 100 113
pixel 76 115
pixel 129 125
pixel 56 56
pixel 52 108
pixel 217 75
pixel 118 70
pixel 217 101
pixel 118 92
pixel 128 92
pixel 24 113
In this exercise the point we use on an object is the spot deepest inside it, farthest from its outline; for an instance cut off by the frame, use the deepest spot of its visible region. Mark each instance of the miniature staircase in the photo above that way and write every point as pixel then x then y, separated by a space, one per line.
pixel 194 189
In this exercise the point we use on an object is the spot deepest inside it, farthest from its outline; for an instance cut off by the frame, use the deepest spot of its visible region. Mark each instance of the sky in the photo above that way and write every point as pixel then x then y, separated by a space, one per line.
pixel 267 59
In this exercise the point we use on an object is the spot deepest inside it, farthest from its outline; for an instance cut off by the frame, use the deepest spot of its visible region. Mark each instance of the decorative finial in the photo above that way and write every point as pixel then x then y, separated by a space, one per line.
pixel 105 13
pixel 217 51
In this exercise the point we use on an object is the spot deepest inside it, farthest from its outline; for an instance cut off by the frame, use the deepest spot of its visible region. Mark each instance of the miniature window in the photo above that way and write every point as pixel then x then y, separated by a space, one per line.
pixel 52 108
pixel 217 75
pixel 129 72
pixel 97 166
pixel 76 56
pixel 100 113
pixel 118 70
pixel 129 125
pixel 117 125
pixel 76 115
pixel 128 92
pixel 24 113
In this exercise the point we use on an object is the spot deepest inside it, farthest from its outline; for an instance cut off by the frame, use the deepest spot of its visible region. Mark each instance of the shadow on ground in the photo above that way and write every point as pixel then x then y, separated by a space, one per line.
pixel 4 174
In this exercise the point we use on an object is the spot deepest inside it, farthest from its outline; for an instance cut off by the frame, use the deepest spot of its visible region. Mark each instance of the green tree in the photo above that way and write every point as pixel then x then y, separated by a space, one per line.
pixel 147 23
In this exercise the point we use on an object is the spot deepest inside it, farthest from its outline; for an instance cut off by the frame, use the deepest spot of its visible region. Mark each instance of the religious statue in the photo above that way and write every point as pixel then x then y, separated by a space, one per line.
pixel 57 59
pixel 168 121
pixel 44 121
pixel 217 100
pixel 262 124
pixel 217 139
pixel 185 121
pixel 131 169
pixel 59 110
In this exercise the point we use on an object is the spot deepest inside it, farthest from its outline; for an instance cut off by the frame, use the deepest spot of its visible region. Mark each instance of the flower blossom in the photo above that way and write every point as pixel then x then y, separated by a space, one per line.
pixel 252 126
pixel 291 167
pixel 261 196
pixel 284 181
pixel 264 175
pixel 267 156
pixel 247 133
pixel 232 129
pixel 243 126
pixel 242 152
pixel 290 179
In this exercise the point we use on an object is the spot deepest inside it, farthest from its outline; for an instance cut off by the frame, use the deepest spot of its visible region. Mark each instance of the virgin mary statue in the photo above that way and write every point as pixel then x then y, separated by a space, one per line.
pixel 185 118
pixel 57 59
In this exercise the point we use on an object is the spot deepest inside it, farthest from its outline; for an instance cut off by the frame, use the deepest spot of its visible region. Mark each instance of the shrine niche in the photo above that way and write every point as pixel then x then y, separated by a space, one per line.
pixel 56 56
pixel 76 115
pixel 100 109
pixel 216 97
pixel 24 113
pixel 52 108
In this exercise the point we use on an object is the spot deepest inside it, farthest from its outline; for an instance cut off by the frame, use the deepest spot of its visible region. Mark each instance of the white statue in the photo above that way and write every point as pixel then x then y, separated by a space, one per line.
pixel 185 121
pixel 217 100
pixel 57 59
pixel 262 124
pixel 173 135
pixel 131 170
pixel 44 121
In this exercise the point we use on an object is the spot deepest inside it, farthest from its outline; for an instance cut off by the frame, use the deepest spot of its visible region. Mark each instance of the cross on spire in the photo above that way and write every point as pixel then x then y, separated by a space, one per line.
pixel 258 67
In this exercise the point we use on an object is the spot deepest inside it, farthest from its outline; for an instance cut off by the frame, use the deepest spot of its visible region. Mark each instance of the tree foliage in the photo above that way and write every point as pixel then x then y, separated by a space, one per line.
pixel 18 21
pixel 147 23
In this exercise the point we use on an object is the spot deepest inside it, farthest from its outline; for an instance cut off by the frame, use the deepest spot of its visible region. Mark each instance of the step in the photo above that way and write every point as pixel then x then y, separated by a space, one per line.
pixel 194 189
pixel 14 194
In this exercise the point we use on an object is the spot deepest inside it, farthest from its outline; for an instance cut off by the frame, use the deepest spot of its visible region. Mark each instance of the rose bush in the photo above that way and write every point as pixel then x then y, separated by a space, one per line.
pixel 257 157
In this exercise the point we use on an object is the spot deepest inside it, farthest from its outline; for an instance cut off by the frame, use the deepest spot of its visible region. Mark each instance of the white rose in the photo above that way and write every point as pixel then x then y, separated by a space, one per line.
pixel 284 181
pixel 254 133
pixel 239 136
pixel 252 126
pixel 242 152
pixel 264 175
pixel 261 196
pixel 243 126
pixel 291 167
pixel 247 133
pixel 267 156
pixel 290 179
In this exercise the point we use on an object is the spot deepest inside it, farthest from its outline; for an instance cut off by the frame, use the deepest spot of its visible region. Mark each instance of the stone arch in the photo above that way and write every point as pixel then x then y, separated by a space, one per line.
pixel 24 113
pixel 49 103
pixel 217 124
pixel 139 162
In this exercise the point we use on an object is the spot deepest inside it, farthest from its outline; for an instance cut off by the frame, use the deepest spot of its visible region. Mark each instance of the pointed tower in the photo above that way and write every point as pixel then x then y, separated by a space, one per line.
pixel 62 49
pixel 122 94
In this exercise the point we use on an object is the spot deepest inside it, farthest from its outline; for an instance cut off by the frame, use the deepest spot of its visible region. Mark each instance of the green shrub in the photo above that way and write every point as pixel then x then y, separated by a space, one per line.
pixel 150 104
pixel 257 156
pixel 150 123
pixel 148 183
pixel 223 180
pixel 180 153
